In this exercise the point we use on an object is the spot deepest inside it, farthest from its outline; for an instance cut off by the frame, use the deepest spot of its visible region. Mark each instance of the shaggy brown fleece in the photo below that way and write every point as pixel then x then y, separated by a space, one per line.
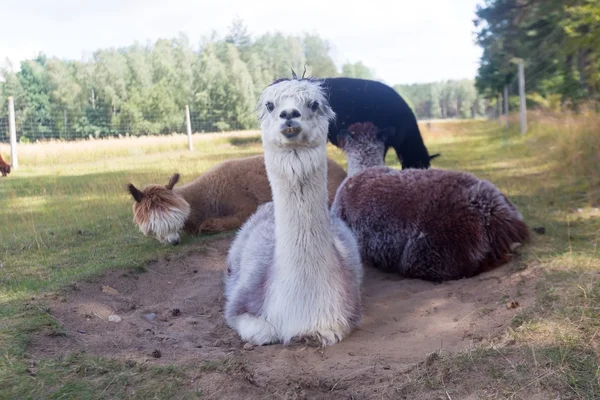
pixel 430 224
pixel 220 199
pixel 435 224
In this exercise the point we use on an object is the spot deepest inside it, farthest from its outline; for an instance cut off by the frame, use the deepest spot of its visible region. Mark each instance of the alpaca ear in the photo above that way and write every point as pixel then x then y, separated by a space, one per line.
pixel 294 76
pixel 385 133
pixel 135 193
pixel 174 179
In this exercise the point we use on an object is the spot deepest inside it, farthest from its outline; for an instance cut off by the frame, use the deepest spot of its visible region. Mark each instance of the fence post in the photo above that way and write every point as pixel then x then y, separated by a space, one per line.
pixel 506 104
pixel 189 127
pixel 522 96
pixel 65 120
pixel 14 162
pixel 499 106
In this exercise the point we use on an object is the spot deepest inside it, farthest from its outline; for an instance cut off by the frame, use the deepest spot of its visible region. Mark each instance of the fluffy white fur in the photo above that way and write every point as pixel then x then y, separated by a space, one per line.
pixel 294 270
pixel 165 225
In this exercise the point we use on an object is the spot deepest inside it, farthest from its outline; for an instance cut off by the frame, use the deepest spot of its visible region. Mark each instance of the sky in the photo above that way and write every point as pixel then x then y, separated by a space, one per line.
pixel 403 41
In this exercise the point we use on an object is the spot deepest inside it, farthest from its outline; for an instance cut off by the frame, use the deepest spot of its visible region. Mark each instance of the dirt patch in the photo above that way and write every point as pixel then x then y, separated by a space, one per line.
pixel 173 314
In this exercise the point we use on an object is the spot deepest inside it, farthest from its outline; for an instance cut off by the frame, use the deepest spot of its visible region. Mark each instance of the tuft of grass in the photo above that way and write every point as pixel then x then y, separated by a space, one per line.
pixel 505 372
pixel 79 376
pixel 573 143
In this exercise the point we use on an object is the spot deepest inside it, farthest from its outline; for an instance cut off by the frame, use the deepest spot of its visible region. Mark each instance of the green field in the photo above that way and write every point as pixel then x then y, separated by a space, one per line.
pixel 66 216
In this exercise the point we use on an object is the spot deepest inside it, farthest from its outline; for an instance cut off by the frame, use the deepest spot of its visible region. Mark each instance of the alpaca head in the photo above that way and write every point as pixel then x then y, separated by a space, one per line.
pixel 294 113
pixel 364 143
pixel 159 211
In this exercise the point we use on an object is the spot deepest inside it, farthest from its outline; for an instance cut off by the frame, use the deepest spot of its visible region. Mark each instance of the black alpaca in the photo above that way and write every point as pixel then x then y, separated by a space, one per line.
pixel 357 100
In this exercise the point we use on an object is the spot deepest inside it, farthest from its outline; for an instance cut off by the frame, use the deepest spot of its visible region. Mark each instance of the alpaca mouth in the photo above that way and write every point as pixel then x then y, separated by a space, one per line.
pixel 291 131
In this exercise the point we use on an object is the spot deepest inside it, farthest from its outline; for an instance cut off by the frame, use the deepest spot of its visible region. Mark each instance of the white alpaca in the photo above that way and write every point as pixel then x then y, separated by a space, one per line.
pixel 294 270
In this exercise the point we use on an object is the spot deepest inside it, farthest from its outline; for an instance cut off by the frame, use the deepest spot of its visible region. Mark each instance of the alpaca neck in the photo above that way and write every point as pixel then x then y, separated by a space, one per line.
pixel 360 162
pixel 199 205
pixel 303 240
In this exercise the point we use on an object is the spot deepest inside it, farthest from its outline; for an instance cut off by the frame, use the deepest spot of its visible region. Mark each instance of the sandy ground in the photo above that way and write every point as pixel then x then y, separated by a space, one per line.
pixel 176 308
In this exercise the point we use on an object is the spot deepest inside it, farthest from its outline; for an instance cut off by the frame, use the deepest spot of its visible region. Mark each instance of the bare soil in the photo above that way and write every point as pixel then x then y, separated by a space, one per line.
pixel 405 321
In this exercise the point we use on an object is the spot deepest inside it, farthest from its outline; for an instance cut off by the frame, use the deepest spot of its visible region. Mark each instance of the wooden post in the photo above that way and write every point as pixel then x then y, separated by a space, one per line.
pixel 506 104
pixel 522 96
pixel 65 119
pixel 14 162
pixel 189 127
pixel 499 105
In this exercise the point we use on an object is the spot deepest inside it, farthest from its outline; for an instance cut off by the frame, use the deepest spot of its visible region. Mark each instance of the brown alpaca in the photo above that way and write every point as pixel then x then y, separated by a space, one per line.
pixel 429 224
pixel 219 200
pixel 4 167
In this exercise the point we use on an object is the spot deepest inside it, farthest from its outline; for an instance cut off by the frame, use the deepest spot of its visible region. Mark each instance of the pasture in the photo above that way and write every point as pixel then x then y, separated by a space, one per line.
pixel 70 256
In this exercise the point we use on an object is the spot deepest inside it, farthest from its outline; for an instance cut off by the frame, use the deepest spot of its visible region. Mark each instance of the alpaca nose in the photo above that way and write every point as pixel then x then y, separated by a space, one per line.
pixel 290 114
pixel 173 240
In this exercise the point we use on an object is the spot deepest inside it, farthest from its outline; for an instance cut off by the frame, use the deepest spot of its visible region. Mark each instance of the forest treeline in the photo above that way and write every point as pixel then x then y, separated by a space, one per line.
pixel 143 89
pixel 446 99
pixel 559 42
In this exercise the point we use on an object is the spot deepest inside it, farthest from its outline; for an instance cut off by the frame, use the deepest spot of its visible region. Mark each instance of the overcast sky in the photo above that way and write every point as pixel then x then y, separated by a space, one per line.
pixel 404 41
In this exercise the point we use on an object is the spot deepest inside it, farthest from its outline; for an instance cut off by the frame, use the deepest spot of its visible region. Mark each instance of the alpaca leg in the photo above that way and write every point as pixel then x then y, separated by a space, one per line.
pixel 254 330
pixel 230 222
pixel 322 338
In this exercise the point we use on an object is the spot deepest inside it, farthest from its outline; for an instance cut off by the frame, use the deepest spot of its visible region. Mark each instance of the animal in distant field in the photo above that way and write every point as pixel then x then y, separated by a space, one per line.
pixel 294 271
pixel 430 224
pixel 4 167
pixel 356 100
pixel 219 200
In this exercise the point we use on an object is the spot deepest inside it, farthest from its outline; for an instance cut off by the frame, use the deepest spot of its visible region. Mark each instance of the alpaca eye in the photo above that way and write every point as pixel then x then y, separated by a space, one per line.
pixel 314 105
pixel 270 106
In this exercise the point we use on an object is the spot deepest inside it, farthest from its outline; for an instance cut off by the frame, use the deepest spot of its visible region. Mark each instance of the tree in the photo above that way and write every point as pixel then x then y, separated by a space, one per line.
pixel 242 101
pixel 279 55
pixel 10 85
pixel 318 60
pixel 239 37
pixel 450 99
pixel 435 110
pixel 211 89
pixel 35 117
pixel 143 89
pixel 64 91
pixel 357 70
pixel 558 41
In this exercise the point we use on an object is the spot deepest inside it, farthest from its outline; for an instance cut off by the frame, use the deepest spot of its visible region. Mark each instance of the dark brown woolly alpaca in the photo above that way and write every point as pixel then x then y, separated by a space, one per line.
pixel 4 167
pixel 430 224
pixel 219 200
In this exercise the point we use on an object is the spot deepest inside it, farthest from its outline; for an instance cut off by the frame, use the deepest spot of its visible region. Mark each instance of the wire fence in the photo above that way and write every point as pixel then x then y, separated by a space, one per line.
pixel 69 125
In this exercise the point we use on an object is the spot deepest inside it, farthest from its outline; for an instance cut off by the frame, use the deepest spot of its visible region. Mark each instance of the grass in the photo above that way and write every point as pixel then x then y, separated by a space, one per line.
pixel 66 217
